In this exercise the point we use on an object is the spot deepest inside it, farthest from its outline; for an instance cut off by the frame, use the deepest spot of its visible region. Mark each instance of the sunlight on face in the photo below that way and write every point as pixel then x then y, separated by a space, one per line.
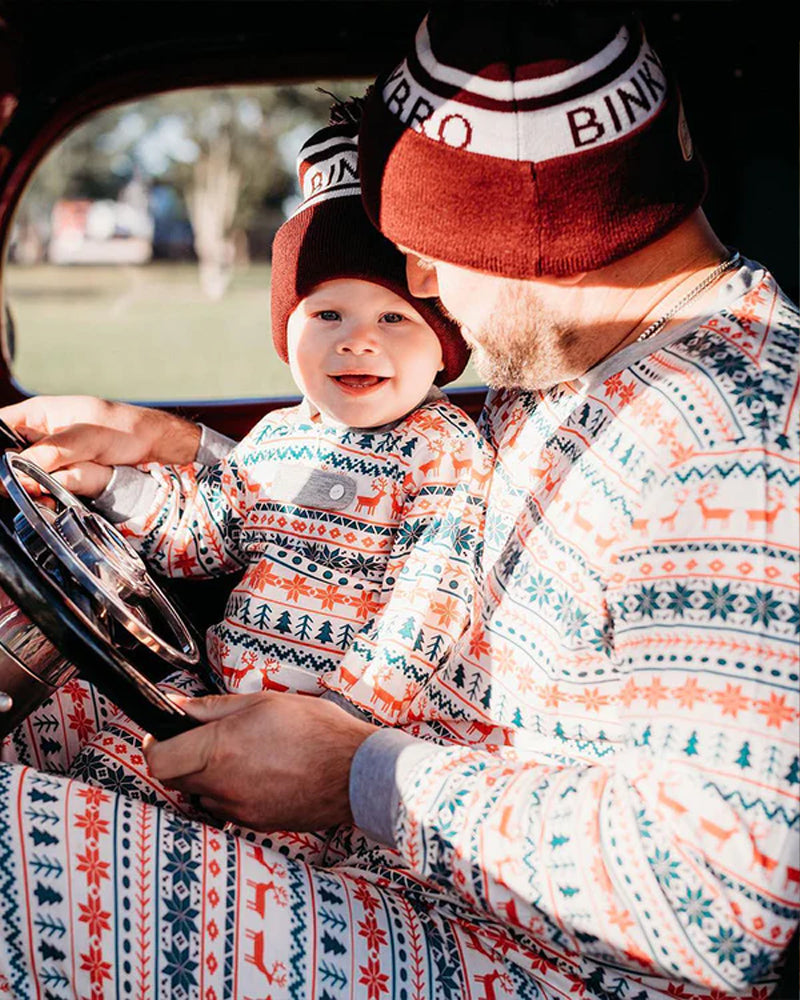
pixel 361 353
pixel 519 330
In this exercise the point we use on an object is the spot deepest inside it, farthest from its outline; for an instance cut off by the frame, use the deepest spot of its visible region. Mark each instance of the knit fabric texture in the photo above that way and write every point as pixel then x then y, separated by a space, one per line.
pixel 330 236
pixel 527 141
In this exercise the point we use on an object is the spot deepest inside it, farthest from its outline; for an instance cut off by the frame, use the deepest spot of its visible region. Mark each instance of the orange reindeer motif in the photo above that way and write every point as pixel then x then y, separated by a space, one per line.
pixel 462 464
pixel 767 515
pixel 386 698
pixel 603 543
pixel 261 889
pixel 276 973
pixel 398 498
pixel 435 464
pixel 672 804
pixel 480 479
pixel 710 514
pixel 580 521
pixel 488 981
pixel 721 835
pixel 348 677
pixel 487 729
pixel 761 859
pixel 544 470
pixel 370 503
pixel 668 521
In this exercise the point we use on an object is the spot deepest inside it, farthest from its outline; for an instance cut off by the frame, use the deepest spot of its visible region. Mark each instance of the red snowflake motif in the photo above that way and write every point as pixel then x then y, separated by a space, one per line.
pixel 627 392
pixel 76 691
pixel 81 724
pixel 613 385
pixel 376 981
pixel 94 796
pixel 479 644
pixel 689 692
pixel 296 588
pixel 629 692
pixel 447 611
pixel 328 597
pixel 363 894
pixel 677 991
pixel 368 929
pixel 364 603
pixel 93 963
pixel 93 914
pixel 91 864
pixel 776 710
pixel 90 822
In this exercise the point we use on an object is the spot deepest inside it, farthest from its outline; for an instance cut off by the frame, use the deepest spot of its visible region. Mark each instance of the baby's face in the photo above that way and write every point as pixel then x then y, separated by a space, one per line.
pixel 363 355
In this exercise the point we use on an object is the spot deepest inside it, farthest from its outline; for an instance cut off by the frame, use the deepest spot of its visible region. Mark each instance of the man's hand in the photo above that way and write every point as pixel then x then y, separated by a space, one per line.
pixel 267 761
pixel 79 438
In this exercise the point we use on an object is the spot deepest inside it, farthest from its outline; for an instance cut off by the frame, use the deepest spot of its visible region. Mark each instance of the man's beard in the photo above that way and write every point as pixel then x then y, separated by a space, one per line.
pixel 523 345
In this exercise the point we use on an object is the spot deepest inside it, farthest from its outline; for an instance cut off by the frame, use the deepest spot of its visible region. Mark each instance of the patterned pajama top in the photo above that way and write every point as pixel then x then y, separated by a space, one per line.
pixel 358 549
pixel 637 640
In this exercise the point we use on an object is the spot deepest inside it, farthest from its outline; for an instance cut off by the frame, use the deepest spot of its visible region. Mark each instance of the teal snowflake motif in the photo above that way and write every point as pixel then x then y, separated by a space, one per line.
pixel 720 602
pixel 646 602
pixel 540 589
pixel 679 600
pixel 696 907
pixel 762 607
pixel 726 945
pixel 664 867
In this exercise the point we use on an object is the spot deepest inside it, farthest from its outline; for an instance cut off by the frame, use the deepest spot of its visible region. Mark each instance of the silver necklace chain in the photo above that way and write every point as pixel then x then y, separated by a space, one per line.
pixel 726 265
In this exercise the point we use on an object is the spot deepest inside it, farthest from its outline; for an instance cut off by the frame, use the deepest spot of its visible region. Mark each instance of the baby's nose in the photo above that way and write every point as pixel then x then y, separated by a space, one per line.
pixel 360 339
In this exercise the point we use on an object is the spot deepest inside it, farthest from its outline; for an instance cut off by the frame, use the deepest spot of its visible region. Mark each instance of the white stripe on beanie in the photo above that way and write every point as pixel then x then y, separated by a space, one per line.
pixel 328 169
pixel 597 118
pixel 519 90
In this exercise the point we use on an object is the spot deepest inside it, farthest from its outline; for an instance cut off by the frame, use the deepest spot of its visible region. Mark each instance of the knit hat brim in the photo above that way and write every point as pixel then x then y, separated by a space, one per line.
pixel 336 240
pixel 434 186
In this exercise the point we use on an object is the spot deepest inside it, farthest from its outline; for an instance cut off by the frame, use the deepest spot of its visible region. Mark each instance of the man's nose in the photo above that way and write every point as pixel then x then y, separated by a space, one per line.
pixel 421 280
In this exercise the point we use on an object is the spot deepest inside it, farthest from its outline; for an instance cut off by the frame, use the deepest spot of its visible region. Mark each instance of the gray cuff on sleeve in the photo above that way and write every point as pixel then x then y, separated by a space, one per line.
pixel 213 446
pixel 344 704
pixel 130 492
pixel 379 769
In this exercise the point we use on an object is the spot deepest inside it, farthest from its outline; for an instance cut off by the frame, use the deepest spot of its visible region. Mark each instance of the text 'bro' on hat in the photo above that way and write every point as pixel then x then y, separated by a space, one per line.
pixel 329 236
pixel 527 140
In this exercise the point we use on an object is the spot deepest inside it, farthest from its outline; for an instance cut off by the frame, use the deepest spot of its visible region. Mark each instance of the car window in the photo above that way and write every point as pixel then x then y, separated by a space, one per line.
pixel 139 261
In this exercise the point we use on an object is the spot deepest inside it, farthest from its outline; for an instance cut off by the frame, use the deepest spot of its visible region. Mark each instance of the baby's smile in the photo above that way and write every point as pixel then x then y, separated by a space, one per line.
pixel 357 383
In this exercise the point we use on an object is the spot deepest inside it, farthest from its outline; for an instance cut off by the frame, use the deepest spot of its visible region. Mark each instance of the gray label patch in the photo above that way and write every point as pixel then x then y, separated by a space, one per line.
pixel 308 487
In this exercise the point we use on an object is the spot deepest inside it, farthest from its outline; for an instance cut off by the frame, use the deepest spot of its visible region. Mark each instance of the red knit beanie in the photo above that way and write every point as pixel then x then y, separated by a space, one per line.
pixel 525 140
pixel 330 236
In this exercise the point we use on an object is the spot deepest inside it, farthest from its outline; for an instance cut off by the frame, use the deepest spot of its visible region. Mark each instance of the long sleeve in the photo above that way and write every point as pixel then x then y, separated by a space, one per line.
pixel 681 853
pixel 192 527
pixel 429 586
pixel 642 822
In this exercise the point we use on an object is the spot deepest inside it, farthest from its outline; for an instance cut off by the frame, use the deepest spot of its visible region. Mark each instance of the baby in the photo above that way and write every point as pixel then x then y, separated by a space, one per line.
pixel 356 515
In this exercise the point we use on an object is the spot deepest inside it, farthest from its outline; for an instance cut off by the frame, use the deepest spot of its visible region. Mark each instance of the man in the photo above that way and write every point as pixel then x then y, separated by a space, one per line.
pixel 631 827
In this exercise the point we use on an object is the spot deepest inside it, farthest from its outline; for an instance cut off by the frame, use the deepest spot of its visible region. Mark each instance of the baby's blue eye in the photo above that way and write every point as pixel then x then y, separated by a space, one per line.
pixel 329 315
pixel 392 318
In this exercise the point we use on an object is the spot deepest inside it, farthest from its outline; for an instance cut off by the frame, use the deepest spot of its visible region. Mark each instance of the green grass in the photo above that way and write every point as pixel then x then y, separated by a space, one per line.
pixel 145 333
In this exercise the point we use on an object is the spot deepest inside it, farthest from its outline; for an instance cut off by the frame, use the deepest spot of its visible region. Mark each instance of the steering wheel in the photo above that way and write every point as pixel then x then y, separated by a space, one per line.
pixel 76 598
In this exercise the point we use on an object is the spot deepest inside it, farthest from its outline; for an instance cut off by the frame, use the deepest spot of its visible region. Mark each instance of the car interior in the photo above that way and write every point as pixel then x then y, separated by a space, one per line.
pixel 100 264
